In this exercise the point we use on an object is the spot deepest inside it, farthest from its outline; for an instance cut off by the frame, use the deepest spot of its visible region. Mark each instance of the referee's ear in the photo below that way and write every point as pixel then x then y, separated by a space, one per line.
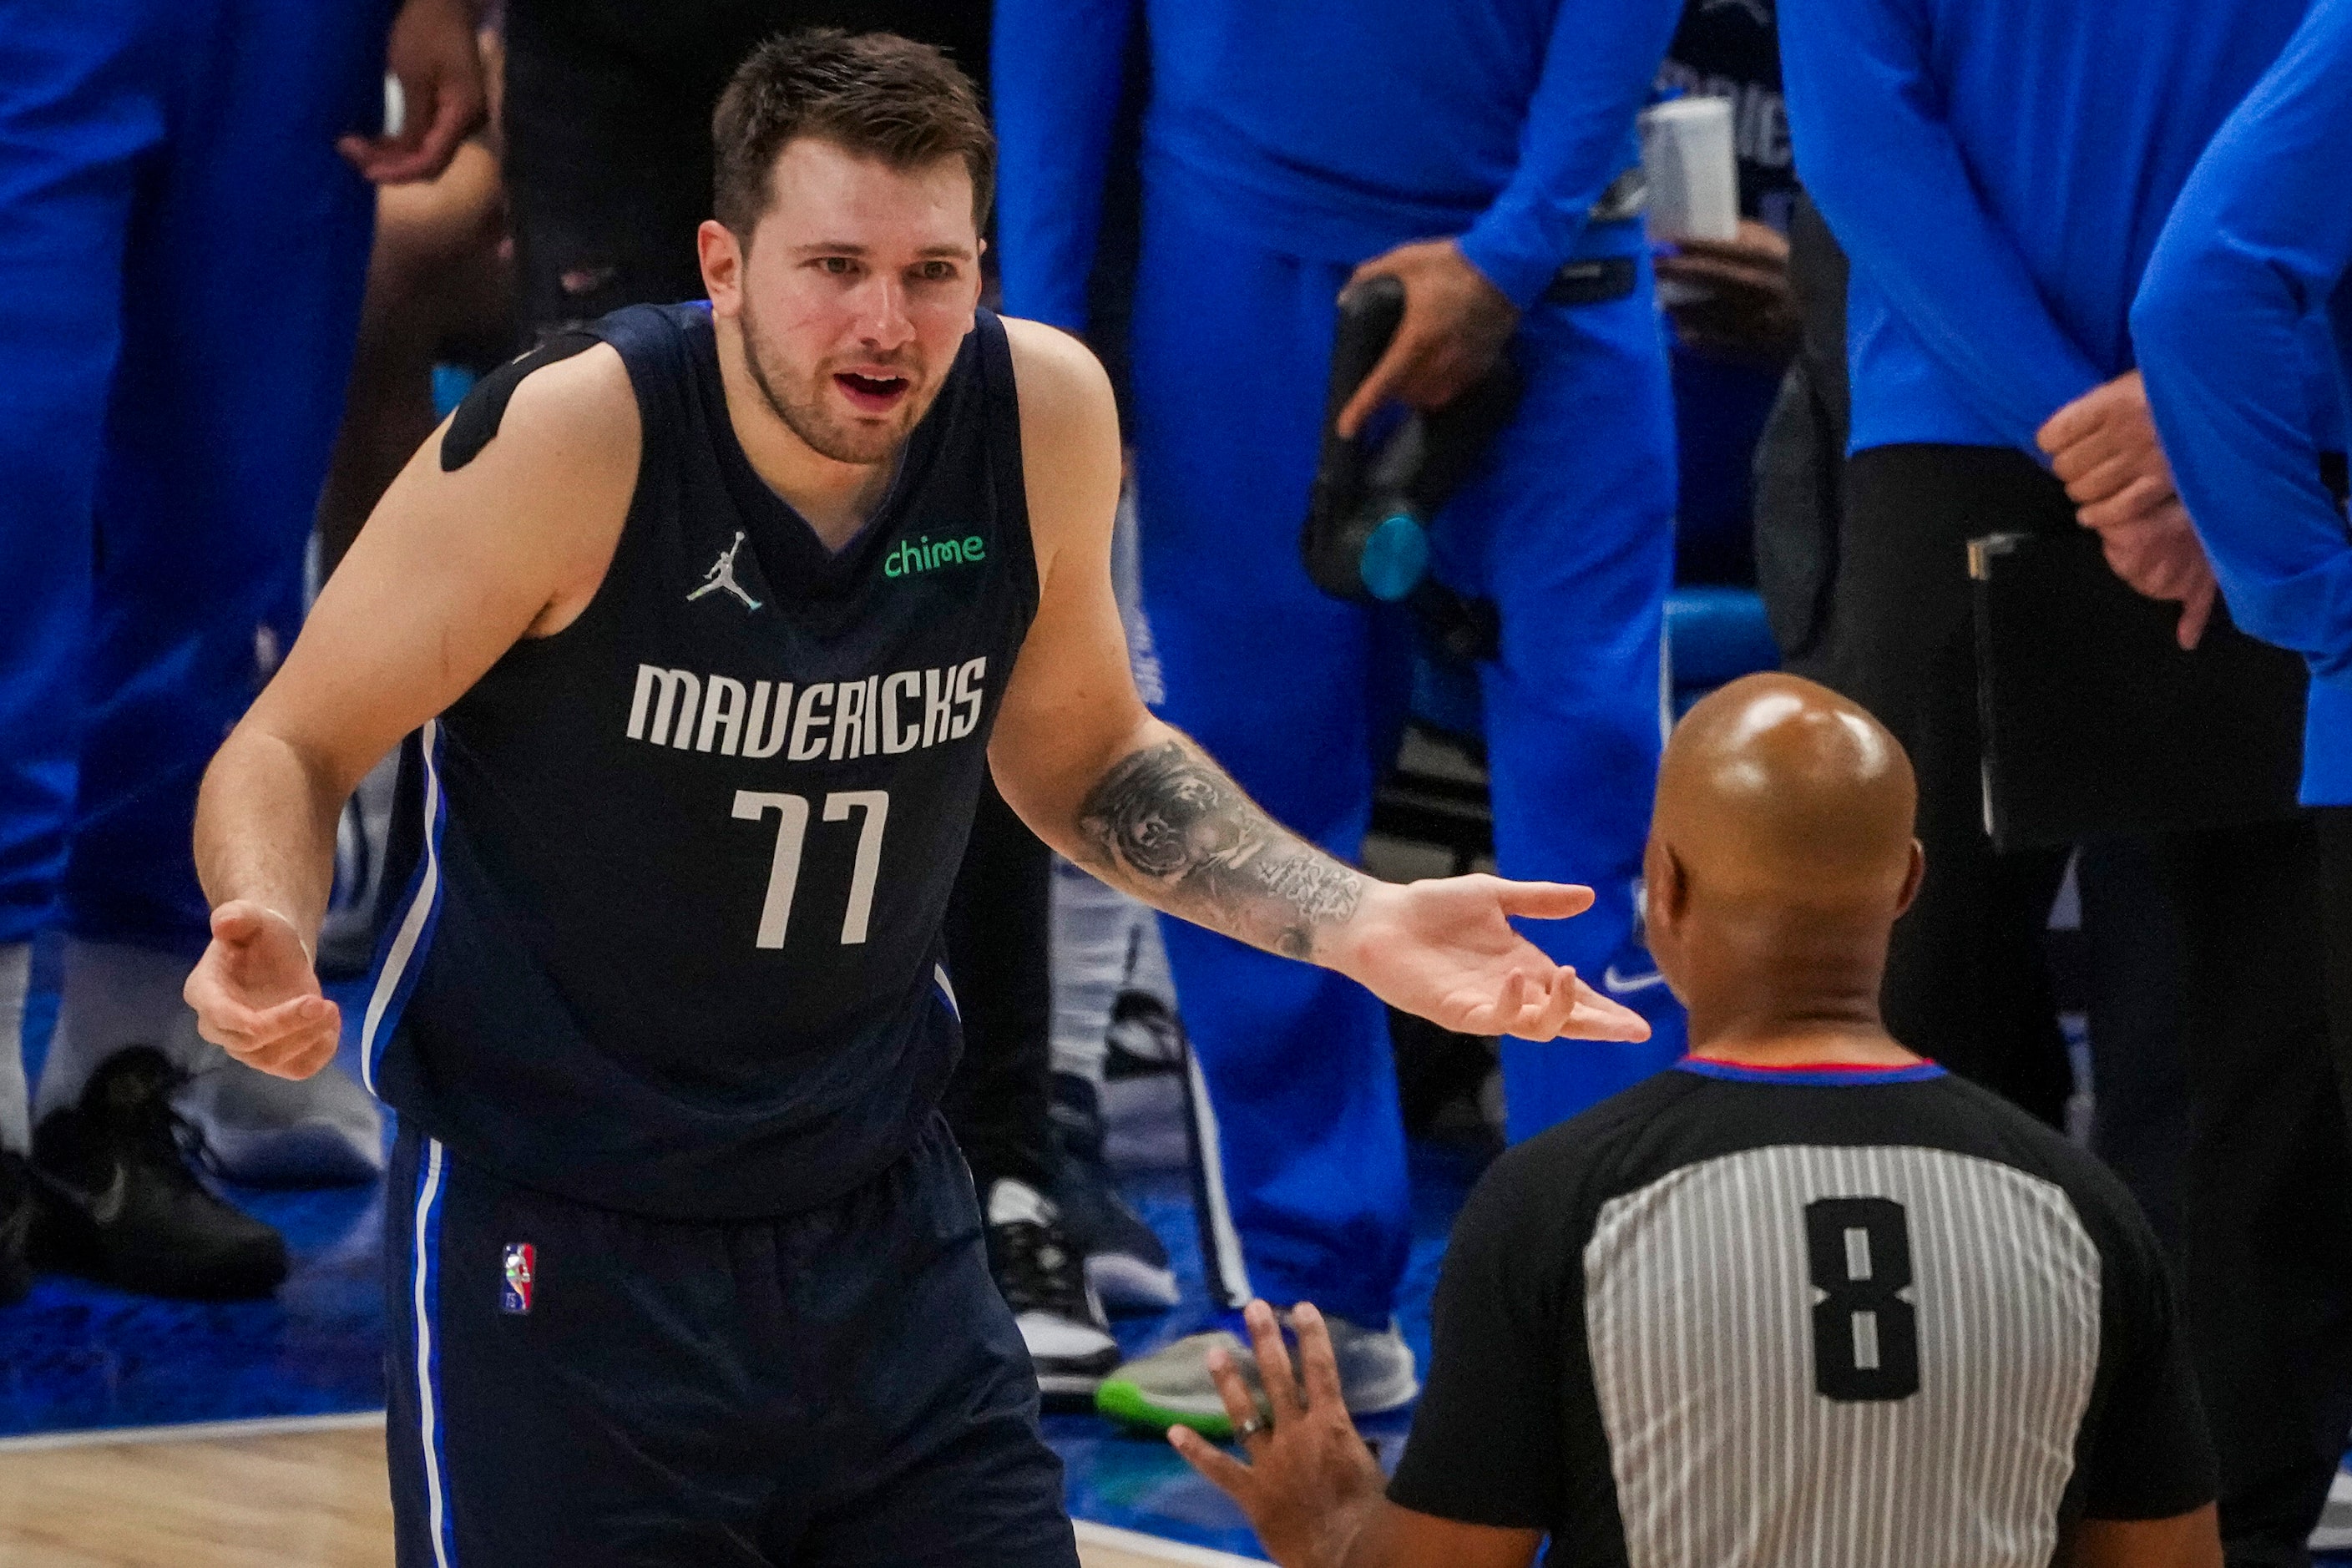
pixel 1665 899
pixel 1666 886
pixel 1911 880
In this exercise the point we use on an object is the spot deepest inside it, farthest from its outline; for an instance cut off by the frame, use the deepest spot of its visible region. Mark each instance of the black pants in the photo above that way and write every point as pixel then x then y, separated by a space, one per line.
pixel 2266 1180
pixel 608 173
pixel 2139 1120
pixel 2336 891
pixel 2266 1188
pixel 1000 934
pixel 840 1388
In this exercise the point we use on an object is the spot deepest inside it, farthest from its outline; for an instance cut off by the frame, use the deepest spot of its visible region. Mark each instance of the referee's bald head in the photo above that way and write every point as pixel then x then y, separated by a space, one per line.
pixel 1782 842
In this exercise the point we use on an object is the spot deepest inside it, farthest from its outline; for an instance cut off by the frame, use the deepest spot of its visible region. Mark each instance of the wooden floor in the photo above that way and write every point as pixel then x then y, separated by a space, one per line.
pixel 305 1500
pixel 315 1500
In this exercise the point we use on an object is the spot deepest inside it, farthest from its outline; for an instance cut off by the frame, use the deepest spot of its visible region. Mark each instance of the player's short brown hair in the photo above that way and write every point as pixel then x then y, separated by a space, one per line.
pixel 874 94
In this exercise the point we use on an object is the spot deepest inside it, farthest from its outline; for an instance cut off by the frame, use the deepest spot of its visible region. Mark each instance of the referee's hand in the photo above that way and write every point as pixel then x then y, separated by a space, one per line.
pixel 257 994
pixel 1311 1484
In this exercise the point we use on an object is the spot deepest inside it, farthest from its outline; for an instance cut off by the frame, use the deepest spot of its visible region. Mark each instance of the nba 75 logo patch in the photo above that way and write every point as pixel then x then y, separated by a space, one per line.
pixel 514 1290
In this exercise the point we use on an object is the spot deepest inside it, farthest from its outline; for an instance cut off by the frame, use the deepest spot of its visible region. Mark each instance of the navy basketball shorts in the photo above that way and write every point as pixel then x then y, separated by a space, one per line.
pixel 836 1388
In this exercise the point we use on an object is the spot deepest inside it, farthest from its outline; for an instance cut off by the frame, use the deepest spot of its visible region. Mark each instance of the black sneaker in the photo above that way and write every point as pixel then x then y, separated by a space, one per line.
pixel 19 1202
pixel 1043 1281
pixel 1125 1263
pixel 1144 1039
pixel 124 1209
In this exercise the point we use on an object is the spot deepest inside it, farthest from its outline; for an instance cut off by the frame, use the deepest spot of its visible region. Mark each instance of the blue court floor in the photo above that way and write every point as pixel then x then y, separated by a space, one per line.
pixel 75 1356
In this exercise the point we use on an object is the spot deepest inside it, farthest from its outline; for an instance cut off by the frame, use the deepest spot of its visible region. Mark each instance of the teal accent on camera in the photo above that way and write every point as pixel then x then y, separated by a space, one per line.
pixel 1396 554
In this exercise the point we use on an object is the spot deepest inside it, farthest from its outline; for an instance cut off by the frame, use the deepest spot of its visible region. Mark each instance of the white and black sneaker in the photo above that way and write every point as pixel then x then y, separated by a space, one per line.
pixel 120 1206
pixel 1043 1282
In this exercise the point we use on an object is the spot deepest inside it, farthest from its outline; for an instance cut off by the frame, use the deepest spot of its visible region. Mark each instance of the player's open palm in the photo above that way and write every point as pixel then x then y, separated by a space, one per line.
pixel 1311 1485
pixel 1445 950
pixel 256 994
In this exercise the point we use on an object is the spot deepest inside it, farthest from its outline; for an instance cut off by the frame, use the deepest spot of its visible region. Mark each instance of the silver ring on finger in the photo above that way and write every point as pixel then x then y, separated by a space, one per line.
pixel 1250 1429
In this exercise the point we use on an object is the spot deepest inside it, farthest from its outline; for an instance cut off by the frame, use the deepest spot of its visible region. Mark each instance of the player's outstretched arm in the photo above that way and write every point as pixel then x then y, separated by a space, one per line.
pixel 1146 809
pixel 451 569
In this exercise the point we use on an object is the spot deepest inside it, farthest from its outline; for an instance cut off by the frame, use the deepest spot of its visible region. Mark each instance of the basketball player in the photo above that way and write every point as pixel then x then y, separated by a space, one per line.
pixel 1810 1299
pixel 707 631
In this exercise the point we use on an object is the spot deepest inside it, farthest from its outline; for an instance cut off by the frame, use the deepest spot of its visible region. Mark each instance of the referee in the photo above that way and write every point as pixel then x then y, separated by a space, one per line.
pixel 1809 1299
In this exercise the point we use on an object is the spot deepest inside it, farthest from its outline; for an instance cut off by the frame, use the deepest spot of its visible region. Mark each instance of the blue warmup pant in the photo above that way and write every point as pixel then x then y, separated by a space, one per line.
pixel 1570 532
pixel 182 257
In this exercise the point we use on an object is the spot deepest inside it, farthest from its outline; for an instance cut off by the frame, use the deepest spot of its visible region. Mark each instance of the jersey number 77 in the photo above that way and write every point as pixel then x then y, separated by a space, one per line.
pixel 784 870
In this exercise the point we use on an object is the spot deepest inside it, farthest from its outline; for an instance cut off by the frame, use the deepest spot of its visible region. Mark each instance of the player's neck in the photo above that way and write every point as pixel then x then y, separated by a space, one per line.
pixel 835 498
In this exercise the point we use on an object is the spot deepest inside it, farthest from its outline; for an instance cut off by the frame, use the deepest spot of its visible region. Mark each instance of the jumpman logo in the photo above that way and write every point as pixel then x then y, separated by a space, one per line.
pixel 722 575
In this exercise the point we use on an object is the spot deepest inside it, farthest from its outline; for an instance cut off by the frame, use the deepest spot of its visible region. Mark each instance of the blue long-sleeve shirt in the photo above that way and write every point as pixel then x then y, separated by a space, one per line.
pixel 2258 252
pixel 1332 132
pixel 1998 172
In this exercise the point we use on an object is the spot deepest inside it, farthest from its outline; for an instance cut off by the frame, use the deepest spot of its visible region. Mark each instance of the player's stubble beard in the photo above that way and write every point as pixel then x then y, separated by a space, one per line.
pixel 808 417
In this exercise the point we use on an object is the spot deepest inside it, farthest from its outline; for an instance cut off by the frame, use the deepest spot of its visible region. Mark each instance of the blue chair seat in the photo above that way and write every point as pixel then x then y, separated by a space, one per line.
pixel 1715 635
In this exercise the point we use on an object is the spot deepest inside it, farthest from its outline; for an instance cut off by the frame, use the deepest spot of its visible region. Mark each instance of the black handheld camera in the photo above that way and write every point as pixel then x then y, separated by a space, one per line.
pixel 1367 532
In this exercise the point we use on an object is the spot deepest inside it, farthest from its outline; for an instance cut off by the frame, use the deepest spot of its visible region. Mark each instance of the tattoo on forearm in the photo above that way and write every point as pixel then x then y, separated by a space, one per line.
pixel 1168 818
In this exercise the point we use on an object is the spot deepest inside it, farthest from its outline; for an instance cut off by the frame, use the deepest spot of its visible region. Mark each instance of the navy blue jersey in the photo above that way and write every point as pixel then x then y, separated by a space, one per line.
pixel 672 938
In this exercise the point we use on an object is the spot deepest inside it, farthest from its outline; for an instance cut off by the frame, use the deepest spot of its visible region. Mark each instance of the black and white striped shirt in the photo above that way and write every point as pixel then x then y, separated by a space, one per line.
pixel 1830 1317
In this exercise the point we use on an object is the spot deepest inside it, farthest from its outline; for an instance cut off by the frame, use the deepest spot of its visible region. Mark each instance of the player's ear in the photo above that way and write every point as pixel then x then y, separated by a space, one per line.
pixel 721 255
pixel 1917 870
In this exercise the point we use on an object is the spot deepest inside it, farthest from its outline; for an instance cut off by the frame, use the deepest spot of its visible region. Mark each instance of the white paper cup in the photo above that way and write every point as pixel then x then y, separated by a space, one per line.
pixel 1687 154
